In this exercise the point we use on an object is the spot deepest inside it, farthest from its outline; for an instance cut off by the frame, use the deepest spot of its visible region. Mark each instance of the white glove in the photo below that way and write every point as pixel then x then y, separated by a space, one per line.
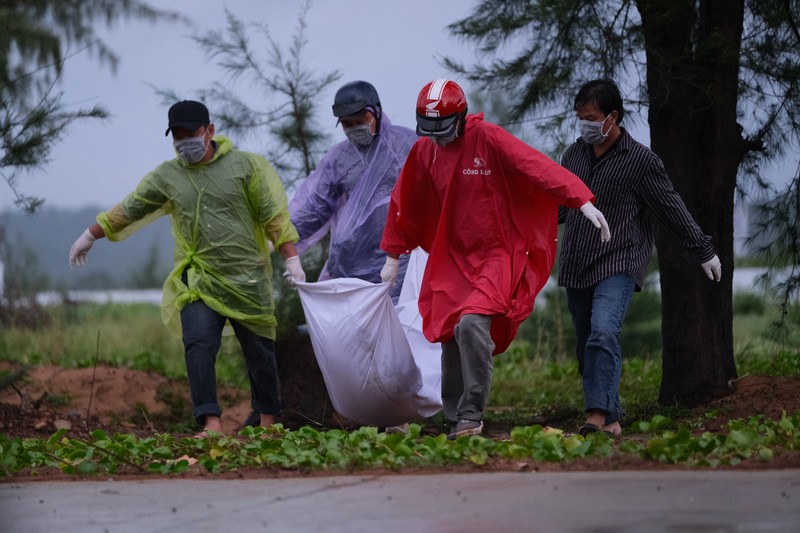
pixel 596 217
pixel 294 271
pixel 389 270
pixel 713 268
pixel 79 249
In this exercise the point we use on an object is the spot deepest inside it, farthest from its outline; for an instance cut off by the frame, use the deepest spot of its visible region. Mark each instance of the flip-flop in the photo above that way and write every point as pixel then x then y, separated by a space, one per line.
pixel 594 428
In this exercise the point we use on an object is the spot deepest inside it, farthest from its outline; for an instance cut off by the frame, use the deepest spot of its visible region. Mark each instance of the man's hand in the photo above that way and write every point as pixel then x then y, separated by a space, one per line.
pixel 294 271
pixel 713 268
pixel 79 249
pixel 389 270
pixel 596 217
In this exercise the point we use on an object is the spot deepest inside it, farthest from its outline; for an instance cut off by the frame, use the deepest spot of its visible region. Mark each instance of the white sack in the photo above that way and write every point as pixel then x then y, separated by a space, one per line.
pixel 377 365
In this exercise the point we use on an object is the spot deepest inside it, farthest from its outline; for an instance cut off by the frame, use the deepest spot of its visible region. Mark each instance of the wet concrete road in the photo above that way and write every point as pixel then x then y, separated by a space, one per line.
pixel 656 501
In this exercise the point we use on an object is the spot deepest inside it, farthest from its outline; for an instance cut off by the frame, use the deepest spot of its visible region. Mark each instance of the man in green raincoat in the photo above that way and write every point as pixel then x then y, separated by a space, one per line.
pixel 226 206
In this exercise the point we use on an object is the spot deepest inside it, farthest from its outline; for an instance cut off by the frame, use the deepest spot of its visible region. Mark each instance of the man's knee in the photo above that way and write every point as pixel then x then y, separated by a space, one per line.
pixel 474 324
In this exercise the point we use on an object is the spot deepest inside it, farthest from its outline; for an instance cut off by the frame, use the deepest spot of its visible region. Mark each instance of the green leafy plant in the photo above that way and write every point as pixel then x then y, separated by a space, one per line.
pixel 311 449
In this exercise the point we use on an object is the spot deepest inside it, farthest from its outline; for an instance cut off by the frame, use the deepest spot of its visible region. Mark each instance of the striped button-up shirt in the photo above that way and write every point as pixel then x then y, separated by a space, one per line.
pixel 632 190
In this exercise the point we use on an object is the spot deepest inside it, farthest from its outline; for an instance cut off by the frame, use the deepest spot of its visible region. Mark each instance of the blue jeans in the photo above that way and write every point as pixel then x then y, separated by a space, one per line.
pixel 597 314
pixel 202 336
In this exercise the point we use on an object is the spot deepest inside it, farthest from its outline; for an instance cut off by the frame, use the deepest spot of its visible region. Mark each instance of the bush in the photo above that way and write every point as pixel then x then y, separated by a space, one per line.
pixel 748 303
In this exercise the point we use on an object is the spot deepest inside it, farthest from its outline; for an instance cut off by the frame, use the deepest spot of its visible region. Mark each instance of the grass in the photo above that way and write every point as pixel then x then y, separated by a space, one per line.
pixel 121 335
pixel 551 389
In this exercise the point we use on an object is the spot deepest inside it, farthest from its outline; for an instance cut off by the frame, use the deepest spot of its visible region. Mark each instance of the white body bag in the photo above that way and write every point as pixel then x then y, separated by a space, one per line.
pixel 377 365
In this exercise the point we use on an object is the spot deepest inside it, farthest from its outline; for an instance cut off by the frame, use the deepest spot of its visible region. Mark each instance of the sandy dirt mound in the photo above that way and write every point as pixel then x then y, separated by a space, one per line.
pixel 769 396
pixel 66 397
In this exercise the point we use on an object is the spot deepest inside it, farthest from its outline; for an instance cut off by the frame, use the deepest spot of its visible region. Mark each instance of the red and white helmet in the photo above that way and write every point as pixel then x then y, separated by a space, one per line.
pixel 439 105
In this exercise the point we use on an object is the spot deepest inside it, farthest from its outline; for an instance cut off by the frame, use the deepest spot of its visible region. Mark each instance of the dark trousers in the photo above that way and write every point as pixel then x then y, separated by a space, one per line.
pixel 202 336
pixel 467 369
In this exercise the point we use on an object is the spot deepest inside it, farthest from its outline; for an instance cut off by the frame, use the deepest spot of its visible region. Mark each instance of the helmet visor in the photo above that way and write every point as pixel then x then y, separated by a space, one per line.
pixel 436 126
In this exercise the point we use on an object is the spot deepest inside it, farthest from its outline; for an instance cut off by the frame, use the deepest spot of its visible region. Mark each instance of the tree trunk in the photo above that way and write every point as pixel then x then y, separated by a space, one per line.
pixel 692 78
pixel 305 397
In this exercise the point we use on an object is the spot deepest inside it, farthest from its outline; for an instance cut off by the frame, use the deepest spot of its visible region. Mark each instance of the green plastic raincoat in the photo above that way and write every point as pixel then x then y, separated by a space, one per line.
pixel 223 212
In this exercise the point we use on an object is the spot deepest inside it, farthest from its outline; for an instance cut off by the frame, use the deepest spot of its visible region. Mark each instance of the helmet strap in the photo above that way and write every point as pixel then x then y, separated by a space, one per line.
pixel 462 118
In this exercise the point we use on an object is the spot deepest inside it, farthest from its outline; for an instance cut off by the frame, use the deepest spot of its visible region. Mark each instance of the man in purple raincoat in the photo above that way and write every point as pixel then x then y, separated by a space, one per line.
pixel 348 193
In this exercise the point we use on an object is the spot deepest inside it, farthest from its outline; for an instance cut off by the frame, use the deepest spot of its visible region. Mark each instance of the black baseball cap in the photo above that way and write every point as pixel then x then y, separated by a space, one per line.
pixel 187 114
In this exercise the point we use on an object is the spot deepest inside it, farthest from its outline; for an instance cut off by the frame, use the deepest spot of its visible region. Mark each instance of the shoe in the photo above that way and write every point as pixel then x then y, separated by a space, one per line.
pixel 594 428
pixel 402 428
pixel 465 428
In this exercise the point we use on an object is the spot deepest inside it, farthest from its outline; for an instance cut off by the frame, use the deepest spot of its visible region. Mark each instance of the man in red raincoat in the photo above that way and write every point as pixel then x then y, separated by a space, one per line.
pixel 484 205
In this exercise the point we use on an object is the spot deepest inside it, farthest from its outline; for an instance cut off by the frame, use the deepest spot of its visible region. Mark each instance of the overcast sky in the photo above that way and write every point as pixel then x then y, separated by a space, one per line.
pixel 395 44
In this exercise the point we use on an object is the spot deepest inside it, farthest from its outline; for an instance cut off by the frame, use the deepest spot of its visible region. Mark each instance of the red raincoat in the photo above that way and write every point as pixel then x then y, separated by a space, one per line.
pixel 486 210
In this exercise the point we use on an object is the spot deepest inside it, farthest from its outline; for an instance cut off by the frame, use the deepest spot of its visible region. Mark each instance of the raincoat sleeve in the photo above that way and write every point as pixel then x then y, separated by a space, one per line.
pixel 520 159
pixel 141 207
pixel 413 208
pixel 312 205
pixel 269 202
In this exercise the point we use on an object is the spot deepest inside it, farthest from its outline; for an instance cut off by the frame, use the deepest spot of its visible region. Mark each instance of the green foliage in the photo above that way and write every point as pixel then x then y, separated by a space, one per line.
pixel 610 39
pixel 22 272
pixel 277 447
pixel 779 363
pixel 641 331
pixel 548 332
pixel 778 230
pixel 294 139
pixel 310 449
pixel 748 303
pixel 755 437
pixel 37 39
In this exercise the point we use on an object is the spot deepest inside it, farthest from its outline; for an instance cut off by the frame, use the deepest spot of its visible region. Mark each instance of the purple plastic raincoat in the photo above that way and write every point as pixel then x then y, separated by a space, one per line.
pixel 348 194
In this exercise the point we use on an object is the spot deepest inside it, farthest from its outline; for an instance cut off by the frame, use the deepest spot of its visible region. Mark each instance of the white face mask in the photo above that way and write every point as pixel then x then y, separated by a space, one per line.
pixel 192 149
pixel 360 135
pixel 592 132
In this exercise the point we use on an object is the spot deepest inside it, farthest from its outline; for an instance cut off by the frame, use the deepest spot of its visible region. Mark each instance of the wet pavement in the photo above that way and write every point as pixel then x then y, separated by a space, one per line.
pixel 640 501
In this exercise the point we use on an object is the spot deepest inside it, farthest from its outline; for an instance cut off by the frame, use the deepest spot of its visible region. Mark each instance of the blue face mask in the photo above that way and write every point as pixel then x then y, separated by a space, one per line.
pixel 193 149
pixel 592 132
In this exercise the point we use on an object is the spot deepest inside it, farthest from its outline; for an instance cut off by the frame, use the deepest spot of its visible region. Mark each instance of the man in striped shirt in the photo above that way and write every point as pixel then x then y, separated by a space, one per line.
pixel 632 190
